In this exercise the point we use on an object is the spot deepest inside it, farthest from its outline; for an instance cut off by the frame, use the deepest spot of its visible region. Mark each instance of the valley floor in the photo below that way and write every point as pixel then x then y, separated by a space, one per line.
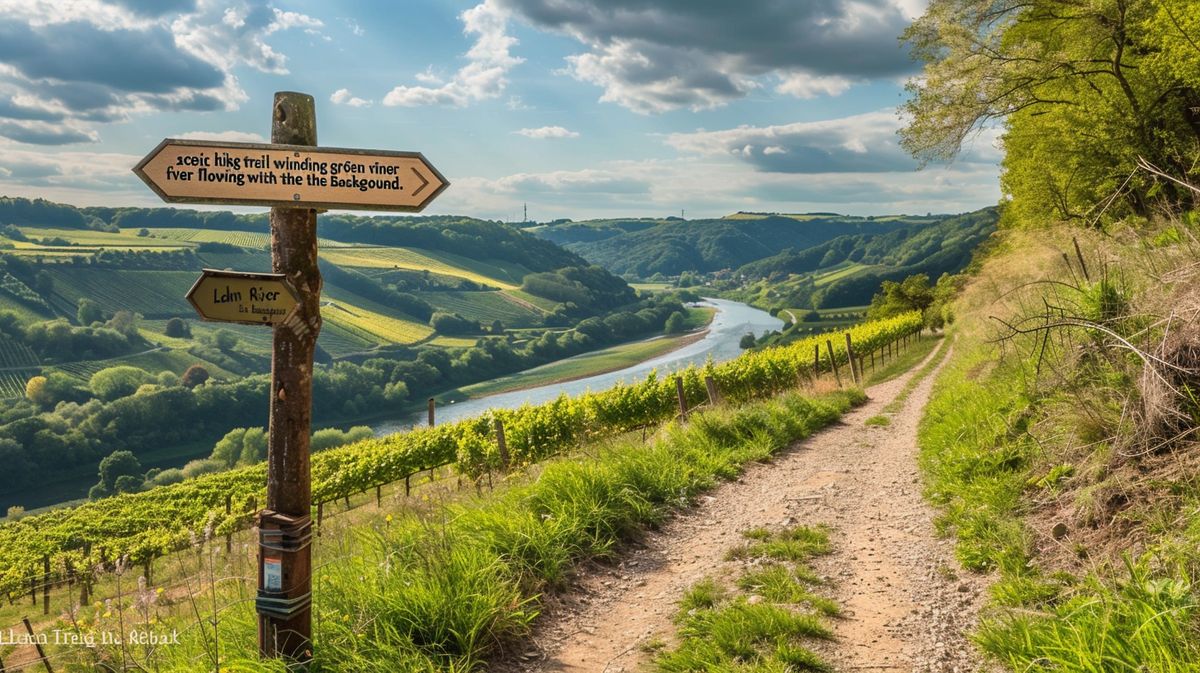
pixel 904 606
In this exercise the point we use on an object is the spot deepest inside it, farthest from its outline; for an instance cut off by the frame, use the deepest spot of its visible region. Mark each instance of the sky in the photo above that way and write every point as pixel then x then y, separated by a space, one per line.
pixel 578 108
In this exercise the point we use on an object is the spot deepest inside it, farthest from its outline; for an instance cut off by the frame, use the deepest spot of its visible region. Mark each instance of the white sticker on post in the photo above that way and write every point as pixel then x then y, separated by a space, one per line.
pixel 272 573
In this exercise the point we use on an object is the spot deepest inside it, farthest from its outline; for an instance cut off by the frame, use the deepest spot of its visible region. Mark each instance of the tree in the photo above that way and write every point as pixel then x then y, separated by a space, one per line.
pixel 35 391
pixel 113 467
pixel 125 323
pixel 225 340
pixel 228 449
pixel 497 327
pixel 116 382
pixel 912 294
pixel 88 312
pixel 1082 91
pixel 747 341
pixel 675 323
pixel 178 328
pixel 195 375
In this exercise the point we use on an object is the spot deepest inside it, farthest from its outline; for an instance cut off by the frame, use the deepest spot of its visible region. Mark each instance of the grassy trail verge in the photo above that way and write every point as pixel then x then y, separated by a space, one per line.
pixel 853 479
pixel 446 588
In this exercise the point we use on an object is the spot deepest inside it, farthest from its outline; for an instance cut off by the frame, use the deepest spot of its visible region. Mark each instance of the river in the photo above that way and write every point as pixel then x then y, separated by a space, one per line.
pixel 730 323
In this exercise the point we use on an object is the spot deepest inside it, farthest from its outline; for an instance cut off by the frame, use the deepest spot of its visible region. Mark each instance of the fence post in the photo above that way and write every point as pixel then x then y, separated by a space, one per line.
pixel 432 406
pixel 713 396
pixel 833 363
pixel 37 644
pixel 407 485
pixel 46 584
pixel 229 535
pixel 502 444
pixel 33 590
pixel 855 375
pixel 816 360
pixel 148 569
pixel 379 496
pixel 683 410
pixel 85 584
pixel 320 516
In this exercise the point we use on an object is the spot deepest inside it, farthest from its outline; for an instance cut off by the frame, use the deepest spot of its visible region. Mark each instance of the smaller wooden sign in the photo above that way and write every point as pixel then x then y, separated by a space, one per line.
pixel 245 298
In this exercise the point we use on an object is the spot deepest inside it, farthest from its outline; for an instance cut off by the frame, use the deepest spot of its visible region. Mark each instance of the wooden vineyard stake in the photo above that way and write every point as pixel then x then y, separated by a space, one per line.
pixel 833 363
pixel 683 409
pixel 713 396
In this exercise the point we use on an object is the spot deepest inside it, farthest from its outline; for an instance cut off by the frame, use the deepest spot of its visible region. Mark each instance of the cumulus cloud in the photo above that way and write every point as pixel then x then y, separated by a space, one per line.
pixel 88 62
pixel 547 132
pixel 484 76
pixel 654 57
pixel 717 187
pixel 344 97
pixel 861 143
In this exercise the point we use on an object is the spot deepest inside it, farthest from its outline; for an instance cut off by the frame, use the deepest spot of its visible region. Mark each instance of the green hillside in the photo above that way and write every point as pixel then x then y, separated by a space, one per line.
pixel 98 344
pixel 848 270
pixel 645 247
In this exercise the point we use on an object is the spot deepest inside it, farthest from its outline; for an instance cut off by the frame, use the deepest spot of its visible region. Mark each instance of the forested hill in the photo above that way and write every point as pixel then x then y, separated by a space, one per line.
pixel 848 270
pixel 645 247
pixel 465 236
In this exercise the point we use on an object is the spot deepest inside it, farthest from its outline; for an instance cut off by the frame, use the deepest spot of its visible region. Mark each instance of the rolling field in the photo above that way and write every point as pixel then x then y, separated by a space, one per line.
pixel 506 277
pixel 369 320
pixel 16 355
pixel 839 273
pixel 95 239
pixel 484 307
pixel 542 303
pixel 245 239
pixel 12 382
pixel 154 294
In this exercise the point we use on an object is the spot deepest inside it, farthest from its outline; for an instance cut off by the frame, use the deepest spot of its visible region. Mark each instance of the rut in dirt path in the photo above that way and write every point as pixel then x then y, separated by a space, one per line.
pixel 905 610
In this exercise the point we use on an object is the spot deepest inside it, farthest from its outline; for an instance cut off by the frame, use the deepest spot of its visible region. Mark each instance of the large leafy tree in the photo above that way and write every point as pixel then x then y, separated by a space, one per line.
pixel 1083 89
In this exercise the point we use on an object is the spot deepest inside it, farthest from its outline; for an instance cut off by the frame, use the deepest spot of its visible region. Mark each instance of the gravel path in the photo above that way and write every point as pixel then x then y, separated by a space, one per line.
pixel 905 609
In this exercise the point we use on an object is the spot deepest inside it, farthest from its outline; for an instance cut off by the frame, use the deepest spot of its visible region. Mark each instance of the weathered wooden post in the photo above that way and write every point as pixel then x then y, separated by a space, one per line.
pixel 228 511
pixel 833 362
pixel 46 585
pixel 855 375
pixel 295 178
pixel 432 407
pixel 285 529
pixel 683 409
pixel 501 444
pixel 816 360
pixel 711 384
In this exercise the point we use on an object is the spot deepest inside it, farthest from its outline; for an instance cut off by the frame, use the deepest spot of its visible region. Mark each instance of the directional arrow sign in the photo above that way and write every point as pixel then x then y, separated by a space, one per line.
pixel 247 298
pixel 196 171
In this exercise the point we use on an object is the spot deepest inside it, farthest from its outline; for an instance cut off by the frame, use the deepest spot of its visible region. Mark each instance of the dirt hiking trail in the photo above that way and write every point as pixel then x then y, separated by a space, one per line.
pixel 906 605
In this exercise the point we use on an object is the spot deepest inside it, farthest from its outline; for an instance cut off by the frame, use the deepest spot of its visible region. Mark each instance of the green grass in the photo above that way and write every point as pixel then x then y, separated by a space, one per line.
pixel 444 590
pixel 763 622
pixel 839 273
pixel 1009 452
pixel 879 421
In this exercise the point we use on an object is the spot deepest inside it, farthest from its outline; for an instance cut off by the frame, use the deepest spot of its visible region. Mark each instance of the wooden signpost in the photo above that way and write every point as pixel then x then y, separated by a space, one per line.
pixel 291 176
pixel 246 298
pixel 297 179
